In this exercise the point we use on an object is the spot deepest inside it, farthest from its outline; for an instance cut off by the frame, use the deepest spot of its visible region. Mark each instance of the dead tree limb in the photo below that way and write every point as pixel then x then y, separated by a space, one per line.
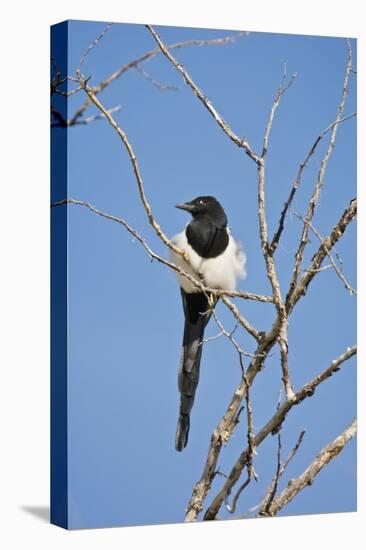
pixel 295 486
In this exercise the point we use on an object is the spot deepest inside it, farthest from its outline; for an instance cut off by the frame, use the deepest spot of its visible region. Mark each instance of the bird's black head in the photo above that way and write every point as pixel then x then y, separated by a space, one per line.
pixel 205 206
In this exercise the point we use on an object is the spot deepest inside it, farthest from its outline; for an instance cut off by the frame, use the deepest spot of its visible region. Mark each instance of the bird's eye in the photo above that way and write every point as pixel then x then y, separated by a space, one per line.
pixel 201 202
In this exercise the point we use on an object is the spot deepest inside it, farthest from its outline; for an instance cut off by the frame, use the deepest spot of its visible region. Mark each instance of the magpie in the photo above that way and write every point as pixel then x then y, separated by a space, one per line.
pixel 217 260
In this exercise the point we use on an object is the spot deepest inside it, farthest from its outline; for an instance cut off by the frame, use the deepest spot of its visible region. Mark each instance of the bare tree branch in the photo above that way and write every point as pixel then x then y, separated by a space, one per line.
pixel 251 473
pixel 295 185
pixel 281 90
pixel 229 336
pixel 56 90
pixel 273 487
pixel 272 426
pixel 149 55
pixel 319 184
pixel 327 454
pixel 282 340
pixel 266 250
pixel 160 233
pixel 154 256
pixel 248 327
pixel 154 82
pixel 326 246
pixel 91 46
pixel 243 143
pixel 334 265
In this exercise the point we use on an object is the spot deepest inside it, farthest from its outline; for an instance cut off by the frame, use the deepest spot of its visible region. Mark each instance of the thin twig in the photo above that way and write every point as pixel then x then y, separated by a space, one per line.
pixel 323 268
pixel 292 453
pixel 99 116
pixel 248 327
pixel 228 335
pixel 264 506
pixel 91 46
pixel 154 82
pixel 56 90
pixel 232 507
pixel 82 120
pixel 263 231
pixel 284 86
pixel 273 488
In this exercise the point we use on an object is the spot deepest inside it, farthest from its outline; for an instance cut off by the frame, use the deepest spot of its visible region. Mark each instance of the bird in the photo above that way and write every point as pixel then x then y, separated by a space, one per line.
pixel 217 260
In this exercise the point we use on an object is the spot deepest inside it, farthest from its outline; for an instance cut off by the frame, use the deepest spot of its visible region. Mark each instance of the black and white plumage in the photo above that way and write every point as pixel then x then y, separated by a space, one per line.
pixel 218 261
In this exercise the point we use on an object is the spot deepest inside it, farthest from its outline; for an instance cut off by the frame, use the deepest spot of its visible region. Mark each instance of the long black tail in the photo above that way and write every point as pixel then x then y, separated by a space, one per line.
pixel 197 315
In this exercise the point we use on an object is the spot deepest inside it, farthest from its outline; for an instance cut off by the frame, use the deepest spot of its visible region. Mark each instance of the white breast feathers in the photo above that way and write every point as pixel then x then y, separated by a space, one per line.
pixel 220 273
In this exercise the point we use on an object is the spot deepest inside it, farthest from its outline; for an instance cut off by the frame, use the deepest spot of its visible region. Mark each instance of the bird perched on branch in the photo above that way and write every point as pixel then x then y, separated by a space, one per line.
pixel 217 261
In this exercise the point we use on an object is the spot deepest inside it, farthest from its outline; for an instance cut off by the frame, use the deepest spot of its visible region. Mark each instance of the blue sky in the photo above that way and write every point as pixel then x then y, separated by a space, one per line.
pixel 125 313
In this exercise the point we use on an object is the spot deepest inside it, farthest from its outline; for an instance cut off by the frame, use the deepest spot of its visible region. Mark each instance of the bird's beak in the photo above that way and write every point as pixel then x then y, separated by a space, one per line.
pixel 185 206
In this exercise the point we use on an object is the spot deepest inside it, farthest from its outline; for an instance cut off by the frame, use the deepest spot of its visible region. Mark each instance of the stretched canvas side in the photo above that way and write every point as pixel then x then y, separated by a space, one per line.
pixel 59 477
